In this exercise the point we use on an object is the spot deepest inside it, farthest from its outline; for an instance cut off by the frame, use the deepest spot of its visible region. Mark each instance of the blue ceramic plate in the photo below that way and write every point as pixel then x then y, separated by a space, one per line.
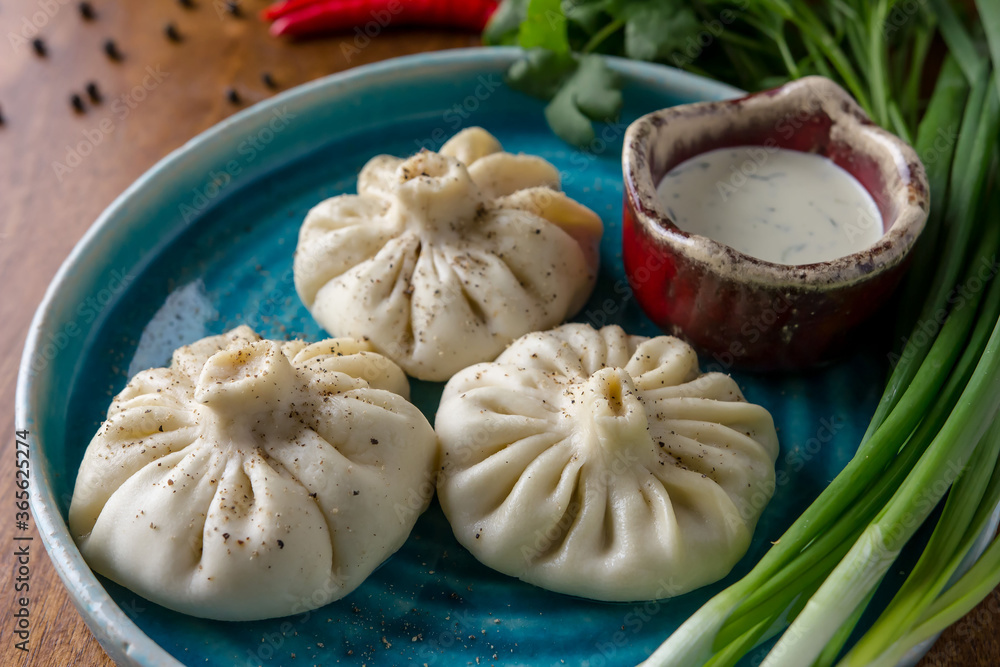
pixel 203 242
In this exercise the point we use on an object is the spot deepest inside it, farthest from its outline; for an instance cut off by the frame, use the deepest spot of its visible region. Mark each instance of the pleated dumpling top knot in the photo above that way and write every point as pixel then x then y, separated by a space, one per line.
pixel 253 478
pixel 603 465
pixel 442 259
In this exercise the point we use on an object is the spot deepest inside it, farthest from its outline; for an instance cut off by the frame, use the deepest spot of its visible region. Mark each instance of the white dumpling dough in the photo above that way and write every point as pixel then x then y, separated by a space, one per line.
pixel 442 259
pixel 253 478
pixel 603 465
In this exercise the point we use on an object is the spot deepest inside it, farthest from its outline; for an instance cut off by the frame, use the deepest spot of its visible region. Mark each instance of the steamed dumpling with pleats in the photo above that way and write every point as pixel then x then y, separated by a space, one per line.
pixel 603 465
pixel 442 259
pixel 254 478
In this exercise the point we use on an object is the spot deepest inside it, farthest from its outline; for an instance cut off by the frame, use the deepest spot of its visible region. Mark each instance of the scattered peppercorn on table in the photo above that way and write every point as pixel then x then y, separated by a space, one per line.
pixel 91 95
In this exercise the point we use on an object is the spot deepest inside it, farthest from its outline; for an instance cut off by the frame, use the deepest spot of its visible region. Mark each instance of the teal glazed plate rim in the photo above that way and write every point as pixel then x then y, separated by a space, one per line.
pixel 203 242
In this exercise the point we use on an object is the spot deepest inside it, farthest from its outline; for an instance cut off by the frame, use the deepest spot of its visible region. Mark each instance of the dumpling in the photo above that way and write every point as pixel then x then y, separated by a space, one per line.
pixel 442 259
pixel 603 465
pixel 252 478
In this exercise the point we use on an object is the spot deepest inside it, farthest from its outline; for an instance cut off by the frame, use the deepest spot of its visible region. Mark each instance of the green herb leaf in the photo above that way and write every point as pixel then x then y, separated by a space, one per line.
pixel 654 30
pixel 590 15
pixel 591 93
pixel 544 27
pixel 503 27
pixel 540 73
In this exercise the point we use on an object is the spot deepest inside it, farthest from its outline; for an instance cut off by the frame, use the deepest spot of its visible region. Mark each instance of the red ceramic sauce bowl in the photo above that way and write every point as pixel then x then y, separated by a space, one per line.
pixel 742 311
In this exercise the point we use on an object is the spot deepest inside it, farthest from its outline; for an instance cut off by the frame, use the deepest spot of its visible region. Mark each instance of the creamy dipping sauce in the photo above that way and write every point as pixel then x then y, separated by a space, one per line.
pixel 775 204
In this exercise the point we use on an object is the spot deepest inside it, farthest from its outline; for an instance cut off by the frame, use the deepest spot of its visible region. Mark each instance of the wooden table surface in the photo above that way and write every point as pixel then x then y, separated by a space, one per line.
pixel 48 200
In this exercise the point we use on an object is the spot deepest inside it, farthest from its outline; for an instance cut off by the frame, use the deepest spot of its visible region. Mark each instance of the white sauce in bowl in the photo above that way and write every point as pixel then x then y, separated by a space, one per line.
pixel 775 204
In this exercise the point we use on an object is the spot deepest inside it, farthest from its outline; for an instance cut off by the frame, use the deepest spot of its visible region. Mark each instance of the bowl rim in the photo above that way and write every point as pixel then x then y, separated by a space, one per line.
pixel 912 199
pixel 124 641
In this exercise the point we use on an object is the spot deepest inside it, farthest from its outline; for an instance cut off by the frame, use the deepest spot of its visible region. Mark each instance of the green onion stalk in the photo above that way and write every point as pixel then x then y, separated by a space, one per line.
pixel 934 434
pixel 874 553
pixel 835 525
pixel 818 540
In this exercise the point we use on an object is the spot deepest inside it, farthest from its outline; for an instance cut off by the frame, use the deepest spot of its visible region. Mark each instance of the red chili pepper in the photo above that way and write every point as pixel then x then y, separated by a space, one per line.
pixel 302 17
pixel 279 9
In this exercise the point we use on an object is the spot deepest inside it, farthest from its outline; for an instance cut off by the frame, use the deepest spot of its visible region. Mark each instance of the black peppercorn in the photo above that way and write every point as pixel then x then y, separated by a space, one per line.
pixel 186 3
pixel 170 30
pixel 87 11
pixel 268 80
pixel 233 8
pixel 77 103
pixel 39 46
pixel 93 92
pixel 232 96
pixel 111 49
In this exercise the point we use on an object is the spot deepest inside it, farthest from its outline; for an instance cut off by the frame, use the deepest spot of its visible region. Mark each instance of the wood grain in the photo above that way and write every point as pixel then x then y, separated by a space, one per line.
pixel 45 208
pixel 43 216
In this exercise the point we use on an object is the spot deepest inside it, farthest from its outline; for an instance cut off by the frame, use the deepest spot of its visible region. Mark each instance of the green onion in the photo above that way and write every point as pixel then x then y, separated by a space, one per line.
pixel 966 189
pixel 936 147
pixel 955 603
pixel 942 396
pixel 804 550
pixel 878 58
pixel 922 40
pixel 967 511
pixel 989 14
pixel 959 42
pixel 948 545
pixel 870 558
pixel 940 401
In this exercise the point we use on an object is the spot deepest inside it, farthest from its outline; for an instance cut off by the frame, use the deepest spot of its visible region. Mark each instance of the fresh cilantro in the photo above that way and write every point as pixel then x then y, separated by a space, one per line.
pixel 591 93
pixel 581 90
pixel 544 27
pixel 655 30
pixel 541 73
pixel 589 15
pixel 753 44
pixel 560 38
pixel 503 27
